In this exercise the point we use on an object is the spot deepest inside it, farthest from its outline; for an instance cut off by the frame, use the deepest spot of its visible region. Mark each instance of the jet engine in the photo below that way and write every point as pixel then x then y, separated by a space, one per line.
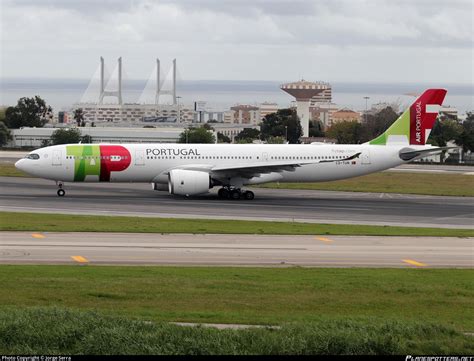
pixel 188 182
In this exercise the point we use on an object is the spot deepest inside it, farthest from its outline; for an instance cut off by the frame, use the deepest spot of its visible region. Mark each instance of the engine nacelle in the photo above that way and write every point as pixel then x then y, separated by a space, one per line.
pixel 188 182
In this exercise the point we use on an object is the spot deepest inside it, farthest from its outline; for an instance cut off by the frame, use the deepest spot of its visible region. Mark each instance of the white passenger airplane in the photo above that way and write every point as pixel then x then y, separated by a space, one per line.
pixel 192 169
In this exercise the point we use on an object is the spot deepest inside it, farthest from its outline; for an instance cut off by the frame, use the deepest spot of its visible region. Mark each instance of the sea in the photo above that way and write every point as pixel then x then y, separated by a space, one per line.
pixel 220 95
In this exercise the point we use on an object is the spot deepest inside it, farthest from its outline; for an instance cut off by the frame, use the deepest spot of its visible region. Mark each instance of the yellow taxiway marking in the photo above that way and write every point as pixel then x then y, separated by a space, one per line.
pixel 79 259
pixel 37 235
pixel 324 239
pixel 414 263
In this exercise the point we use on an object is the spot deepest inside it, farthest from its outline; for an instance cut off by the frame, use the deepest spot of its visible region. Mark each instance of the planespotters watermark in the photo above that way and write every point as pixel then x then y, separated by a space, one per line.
pixel 36 358
pixel 439 358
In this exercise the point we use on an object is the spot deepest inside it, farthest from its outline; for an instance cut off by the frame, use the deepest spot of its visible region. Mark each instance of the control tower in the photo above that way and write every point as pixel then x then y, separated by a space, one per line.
pixel 303 91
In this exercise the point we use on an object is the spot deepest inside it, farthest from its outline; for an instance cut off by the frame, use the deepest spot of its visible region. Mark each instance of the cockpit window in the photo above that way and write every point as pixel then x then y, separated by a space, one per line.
pixel 32 156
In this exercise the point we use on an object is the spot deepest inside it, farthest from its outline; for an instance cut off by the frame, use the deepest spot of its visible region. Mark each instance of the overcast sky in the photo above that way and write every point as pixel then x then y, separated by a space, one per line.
pixel 417 41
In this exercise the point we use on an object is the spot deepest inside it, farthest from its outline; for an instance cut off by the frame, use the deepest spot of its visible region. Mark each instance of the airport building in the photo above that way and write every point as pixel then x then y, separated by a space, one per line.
pixel 127 132
pixel 33 137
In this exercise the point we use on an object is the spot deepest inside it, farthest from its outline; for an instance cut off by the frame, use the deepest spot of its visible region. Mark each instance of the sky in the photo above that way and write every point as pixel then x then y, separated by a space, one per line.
pixel 403 41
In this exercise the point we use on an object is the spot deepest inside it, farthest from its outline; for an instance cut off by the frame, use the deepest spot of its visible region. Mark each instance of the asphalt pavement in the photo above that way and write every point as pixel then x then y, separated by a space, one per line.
pixel 234 250
pixel 37 195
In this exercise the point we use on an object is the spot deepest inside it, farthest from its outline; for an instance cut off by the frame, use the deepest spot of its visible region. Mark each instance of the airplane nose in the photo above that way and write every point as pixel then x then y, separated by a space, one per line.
pixel 20 164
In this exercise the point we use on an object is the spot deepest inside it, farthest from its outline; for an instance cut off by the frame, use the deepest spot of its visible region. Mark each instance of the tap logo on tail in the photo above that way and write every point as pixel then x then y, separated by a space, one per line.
pixel 98 160
pixel 415 124
pixel 423 115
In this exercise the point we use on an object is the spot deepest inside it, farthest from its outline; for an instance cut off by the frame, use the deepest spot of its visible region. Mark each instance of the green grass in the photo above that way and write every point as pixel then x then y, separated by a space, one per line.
pixel 12 221
pixel 9 170
pixel 395 182
pixel 60 331
pixel 246 295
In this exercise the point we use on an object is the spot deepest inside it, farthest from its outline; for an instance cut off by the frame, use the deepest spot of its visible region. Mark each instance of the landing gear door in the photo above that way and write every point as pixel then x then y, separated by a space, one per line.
pixel 365 157
pixel 139 157
pixel 57 155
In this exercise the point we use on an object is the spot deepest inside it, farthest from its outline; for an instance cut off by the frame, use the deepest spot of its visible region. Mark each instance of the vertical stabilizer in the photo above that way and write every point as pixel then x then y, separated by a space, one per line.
pixel 414 125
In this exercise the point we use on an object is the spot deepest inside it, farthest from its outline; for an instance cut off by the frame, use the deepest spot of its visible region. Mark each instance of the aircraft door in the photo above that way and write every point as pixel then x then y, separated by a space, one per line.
pixel 365 157
pixel 57 155
pixel 265 157
pixel 139 157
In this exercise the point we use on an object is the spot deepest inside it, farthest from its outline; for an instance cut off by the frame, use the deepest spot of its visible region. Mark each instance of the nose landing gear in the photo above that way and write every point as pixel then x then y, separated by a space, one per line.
pixel 61 192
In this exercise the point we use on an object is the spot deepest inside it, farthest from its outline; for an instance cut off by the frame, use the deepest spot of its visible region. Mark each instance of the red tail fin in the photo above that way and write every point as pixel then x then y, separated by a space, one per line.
pixel 423 113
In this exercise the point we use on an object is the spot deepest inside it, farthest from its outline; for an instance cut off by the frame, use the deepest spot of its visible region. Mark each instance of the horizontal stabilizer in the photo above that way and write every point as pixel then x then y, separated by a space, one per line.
pixel 410 153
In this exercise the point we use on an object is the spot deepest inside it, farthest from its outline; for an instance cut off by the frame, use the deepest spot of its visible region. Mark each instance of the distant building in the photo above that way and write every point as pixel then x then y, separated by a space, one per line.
pixel 246 114
pixel 304 93
pixel 267 108
pixel 323 112
pixel 33 137
pixel 377 107
pixel 345 115
pixel 127 132
pixel 231 130
pixel 63 118
pixel 149 108
pixel 116 113
pixel 228 116
pixel 324 97
pixel 448 112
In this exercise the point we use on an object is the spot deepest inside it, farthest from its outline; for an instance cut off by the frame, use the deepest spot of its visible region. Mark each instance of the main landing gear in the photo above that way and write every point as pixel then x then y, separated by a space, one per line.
pixel 61 192
pixel 235 193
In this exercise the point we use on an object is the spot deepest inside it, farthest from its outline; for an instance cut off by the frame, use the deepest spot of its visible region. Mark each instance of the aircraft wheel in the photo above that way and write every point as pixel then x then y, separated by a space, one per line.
pixel 223 193
pixel 249 195
pixel 235 194
pixel 61 192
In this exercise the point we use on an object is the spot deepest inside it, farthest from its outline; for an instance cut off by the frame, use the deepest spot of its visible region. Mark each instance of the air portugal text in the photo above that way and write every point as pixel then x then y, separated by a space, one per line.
pixel 172 151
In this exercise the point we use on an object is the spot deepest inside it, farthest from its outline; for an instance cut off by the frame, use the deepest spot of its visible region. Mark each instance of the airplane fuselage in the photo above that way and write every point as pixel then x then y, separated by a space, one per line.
pixel 150 163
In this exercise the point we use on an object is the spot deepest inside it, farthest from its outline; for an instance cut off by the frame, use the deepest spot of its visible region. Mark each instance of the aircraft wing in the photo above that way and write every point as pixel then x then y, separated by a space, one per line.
pixel 250 171
pixel 254 170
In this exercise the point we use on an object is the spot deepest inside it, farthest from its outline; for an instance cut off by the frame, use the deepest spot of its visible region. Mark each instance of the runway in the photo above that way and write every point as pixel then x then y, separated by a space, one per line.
pixel 36 195
pixel 234 250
